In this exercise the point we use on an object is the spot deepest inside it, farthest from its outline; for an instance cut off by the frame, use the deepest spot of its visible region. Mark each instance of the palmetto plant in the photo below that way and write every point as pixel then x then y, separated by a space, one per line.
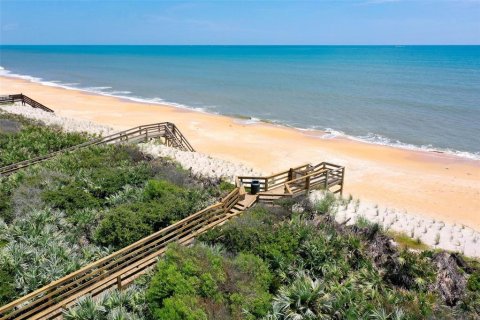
pixel 87 309
pixel 39 250
pixel 128 193
pixel 303 299
pixel 112 305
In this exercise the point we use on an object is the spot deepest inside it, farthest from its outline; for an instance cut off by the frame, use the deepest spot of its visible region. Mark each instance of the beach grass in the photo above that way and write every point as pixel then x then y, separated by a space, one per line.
pixel 407 242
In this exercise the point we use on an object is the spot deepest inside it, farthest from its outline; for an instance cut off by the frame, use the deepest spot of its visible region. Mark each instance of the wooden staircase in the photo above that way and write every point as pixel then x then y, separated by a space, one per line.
pixel 167 130
pixel 122 267
pixel 12 98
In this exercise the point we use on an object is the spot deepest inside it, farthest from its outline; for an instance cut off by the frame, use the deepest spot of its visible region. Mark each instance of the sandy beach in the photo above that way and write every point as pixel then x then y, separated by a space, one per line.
pixel 428 184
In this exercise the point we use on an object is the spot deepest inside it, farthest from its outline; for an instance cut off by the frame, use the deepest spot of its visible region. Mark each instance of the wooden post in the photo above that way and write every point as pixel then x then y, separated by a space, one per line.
pixel 326 181
pixel 266 184
pixel 119 282
pixel 343 178
pixel 307 184
pixel 290 174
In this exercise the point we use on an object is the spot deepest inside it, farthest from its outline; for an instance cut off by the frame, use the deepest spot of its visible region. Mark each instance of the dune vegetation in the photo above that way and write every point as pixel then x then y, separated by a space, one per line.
pixel 64 213
pixel 288 261
pixel 22 139
pixel 280 263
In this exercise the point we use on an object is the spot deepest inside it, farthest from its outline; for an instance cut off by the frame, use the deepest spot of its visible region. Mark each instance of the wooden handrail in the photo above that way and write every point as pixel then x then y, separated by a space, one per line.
pixel 315 173
pixel 161 129
pixel 12 98
pixel 46 296
pixel 123 265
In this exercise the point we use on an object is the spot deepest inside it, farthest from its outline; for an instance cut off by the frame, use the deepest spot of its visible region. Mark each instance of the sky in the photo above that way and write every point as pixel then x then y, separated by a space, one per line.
pixel 341 22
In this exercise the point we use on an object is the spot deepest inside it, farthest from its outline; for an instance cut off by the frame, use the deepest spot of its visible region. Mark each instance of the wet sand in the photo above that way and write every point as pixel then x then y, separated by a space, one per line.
pixel 434 185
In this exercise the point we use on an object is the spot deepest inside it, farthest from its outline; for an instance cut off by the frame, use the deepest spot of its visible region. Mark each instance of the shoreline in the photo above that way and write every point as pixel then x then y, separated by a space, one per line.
pixel 426 183
pixel 325 133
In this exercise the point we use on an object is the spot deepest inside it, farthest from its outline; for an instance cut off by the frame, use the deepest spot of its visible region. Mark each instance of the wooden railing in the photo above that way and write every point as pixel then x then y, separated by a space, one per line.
pixel 119 268
pixel 122 267
pixel 167 130
pixel 275 180
pixel 12 98
pixel 233 198
pixel 324 176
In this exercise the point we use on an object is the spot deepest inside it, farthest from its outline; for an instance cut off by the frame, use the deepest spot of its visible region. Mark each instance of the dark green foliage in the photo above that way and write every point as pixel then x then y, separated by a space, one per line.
pixel 226 186
pixel 5 206
pixel 112 188
pixel 164 204
pixel 33 140
pixel 110 180
pixel 7 289
pixel 70 198
pixel 161 189
pixel 202 283
pixel 126 224
pixel 257 232
pixel 338 278
pixel 473 283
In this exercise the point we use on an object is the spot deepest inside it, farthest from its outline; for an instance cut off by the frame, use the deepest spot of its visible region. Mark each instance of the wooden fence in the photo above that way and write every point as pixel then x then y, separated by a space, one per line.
pixel 12 98
pixel 167 130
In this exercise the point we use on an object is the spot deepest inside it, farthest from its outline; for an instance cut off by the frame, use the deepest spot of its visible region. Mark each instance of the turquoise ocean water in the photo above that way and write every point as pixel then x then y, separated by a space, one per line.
pixel 409 96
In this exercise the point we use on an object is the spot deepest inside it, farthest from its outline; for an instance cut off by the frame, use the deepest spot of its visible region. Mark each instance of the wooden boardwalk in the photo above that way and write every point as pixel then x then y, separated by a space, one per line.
pixel 168 131
pixel 12 98
pixel 122 267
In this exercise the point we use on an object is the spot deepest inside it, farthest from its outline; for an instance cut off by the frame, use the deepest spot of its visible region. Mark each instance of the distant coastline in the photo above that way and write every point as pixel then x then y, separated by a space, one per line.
pixel 411 97
pixel 325 133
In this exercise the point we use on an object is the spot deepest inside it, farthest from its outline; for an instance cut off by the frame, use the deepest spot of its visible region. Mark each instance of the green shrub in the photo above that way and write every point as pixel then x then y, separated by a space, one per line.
pixel 70 198
pixel 164 204
pixel 226 186
pixel 107 181
pixel 7 288
pixel 256 232
pixel 33 141
pixel 201 283
pixel 160 189
pixel 5 207
pixel 126 224
pixel 473 283
pixel 180 307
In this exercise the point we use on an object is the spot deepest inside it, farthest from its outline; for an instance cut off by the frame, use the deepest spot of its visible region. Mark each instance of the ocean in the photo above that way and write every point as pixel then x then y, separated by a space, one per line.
pixel 417 97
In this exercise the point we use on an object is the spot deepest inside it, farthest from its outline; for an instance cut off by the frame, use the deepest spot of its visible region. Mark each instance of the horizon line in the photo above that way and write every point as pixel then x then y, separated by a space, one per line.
pixel 233 45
